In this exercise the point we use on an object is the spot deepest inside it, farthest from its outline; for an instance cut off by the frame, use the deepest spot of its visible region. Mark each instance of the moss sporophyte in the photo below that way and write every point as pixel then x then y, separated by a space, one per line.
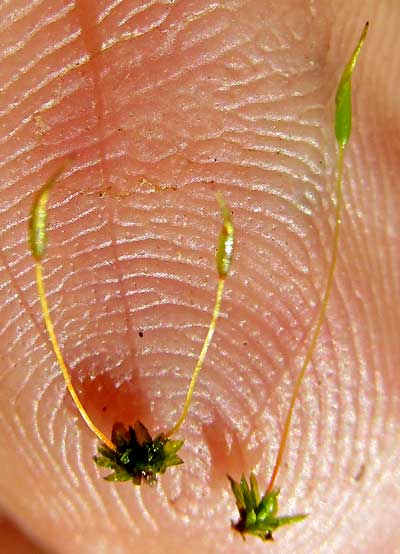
pixel 258 515
pixel 131 454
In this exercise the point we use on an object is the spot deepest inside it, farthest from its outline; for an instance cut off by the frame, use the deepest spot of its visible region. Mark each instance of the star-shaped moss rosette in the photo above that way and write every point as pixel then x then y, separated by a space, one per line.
pixel 258 516
pixel 137 455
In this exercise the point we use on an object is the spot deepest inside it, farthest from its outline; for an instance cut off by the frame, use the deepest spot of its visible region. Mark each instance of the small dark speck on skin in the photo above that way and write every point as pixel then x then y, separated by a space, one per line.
pixel 104 408
pixel 141 334
pixel 360 473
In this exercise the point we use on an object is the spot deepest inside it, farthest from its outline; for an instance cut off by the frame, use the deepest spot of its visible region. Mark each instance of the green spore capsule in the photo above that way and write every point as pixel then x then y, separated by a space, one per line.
pixel 343 96
pixel 226 241
pixel 38 219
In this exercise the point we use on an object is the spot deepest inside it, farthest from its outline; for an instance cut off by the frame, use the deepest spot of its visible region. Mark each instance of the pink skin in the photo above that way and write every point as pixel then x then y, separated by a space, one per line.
pixel 189 98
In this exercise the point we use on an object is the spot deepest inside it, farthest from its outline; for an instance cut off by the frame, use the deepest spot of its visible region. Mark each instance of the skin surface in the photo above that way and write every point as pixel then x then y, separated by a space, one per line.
pixel 14 541
pixel 158 105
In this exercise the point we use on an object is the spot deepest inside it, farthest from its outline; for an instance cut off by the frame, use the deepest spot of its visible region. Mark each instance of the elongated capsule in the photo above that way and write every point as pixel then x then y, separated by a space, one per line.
pixel 343 96
pixel 38 217
pixel 225 241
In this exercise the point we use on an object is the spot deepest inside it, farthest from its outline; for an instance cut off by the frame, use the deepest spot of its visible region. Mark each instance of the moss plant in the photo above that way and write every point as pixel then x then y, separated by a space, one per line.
pixel 131 453
pixel 259 515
